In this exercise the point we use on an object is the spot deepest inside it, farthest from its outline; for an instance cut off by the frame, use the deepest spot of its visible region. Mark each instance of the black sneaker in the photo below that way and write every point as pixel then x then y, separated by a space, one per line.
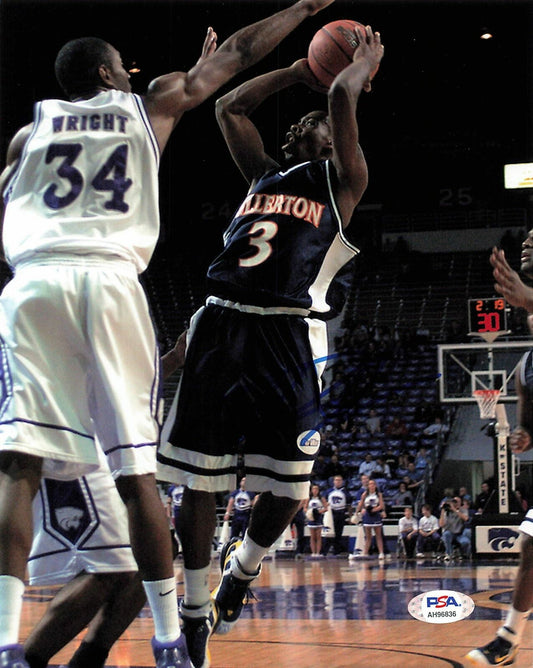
pixel 197 631
pixel 231 592
pixel 499 652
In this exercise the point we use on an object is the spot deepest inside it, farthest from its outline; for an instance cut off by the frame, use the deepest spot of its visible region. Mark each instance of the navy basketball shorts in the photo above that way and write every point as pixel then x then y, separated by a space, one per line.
pixel 250 386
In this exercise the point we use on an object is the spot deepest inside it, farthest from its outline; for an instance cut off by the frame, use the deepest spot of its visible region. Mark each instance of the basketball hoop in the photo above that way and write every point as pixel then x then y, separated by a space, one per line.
pixel 487 401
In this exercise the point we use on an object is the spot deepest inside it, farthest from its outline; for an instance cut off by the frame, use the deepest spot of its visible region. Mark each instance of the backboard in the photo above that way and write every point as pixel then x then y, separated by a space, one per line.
pixel 466 367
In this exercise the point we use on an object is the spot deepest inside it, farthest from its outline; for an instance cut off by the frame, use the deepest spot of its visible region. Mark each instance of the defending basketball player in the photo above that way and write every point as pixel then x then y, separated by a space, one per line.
pixel 80 361
pixel 503 649
pixel 253 352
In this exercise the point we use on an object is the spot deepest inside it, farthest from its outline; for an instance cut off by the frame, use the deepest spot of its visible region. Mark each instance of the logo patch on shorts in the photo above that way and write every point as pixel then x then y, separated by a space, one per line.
pixel 309 442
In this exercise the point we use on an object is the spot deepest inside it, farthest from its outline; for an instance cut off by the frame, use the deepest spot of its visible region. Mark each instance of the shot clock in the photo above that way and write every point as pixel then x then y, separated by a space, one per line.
pixel 487 317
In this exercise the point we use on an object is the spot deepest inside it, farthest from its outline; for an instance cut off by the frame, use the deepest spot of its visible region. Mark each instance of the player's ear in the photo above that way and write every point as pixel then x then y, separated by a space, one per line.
pixel 105 74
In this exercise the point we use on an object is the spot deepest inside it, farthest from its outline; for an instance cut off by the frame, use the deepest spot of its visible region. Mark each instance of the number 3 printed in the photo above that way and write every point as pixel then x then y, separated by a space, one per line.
pixel 115 165
pixel 263 231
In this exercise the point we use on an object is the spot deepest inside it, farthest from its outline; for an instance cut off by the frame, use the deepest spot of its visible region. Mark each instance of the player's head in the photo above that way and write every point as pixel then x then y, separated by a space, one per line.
pixel 309 138
pixel 526 257
pixel 88 64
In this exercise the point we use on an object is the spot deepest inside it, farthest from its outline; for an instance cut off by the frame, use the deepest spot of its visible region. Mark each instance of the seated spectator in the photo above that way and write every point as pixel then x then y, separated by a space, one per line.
pixel 421 459
pixel 464 495
pixel 452 521
pixel 428 532
pixel 408 531
pixel 391 459
pixel 403 463
pixel 319 468
pixel 368 465
pixel 436 428
pixel 415 476
pixel 396 428
pixel 522 502
pixel 334 467
pixel 403 496
pixel 373 422
pixel 483 497
pixel 381 470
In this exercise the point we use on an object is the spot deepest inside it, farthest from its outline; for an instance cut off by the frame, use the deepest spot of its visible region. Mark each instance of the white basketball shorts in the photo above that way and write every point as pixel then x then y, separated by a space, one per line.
pixel 79 359
pixel 79 525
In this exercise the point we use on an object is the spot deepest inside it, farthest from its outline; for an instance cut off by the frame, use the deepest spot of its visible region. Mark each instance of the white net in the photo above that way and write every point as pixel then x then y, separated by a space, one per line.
pixel 487 401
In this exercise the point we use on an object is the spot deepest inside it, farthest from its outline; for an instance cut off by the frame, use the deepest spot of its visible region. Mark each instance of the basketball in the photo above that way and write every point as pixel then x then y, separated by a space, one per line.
pixel 332 49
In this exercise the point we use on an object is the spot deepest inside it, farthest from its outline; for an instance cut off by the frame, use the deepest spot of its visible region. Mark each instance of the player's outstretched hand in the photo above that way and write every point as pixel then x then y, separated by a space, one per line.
pixel 210 44
pixel 370 50
pixel 508 282
pixel 520 441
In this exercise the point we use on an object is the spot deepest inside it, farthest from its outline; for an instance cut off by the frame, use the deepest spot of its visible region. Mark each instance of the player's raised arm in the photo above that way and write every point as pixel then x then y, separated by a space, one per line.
pixel 343 96
pixel 170 95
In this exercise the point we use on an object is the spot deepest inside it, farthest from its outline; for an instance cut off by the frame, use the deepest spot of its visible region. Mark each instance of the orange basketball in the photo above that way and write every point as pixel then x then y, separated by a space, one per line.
pixel 332 49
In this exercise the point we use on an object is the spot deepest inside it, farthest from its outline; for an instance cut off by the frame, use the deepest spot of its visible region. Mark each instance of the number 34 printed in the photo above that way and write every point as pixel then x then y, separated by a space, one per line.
pixel 110 177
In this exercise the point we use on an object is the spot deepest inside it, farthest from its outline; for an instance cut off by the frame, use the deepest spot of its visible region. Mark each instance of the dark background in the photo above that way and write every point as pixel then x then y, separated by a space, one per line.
pixel 446 112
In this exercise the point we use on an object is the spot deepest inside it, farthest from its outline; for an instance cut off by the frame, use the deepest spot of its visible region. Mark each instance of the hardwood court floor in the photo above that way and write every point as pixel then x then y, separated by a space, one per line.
pixel 334 613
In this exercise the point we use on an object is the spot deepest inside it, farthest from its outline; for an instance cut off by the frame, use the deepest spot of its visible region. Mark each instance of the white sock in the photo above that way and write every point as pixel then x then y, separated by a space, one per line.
pixel 516 623
pixel 161 595
pixel 250 555
pixel 196 586
pixel 11 592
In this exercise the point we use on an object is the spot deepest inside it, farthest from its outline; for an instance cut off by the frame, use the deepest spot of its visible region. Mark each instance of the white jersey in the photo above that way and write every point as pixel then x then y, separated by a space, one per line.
pixel 87 182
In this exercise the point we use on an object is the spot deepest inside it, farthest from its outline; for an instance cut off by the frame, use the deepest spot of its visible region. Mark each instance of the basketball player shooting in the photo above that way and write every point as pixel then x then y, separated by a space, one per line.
pixel 252 348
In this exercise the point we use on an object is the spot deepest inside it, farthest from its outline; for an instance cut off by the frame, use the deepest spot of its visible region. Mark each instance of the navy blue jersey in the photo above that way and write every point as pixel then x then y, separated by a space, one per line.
pixel 285 245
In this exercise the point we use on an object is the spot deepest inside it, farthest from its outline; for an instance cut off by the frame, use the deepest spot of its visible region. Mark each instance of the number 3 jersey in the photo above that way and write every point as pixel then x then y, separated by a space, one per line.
pixel 86 182
pixel 285 245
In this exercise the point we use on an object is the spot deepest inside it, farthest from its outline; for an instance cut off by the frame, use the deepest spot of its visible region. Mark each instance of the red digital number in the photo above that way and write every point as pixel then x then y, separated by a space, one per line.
pixel 488 322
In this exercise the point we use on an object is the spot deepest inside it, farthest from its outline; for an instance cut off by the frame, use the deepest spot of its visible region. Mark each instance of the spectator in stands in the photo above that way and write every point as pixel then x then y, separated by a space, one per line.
pixel 438 427
pixel 382 469
pixel 463 494
pixel 421 459
pixel 373 422
pixel 319 468
pixel 403 496
pixel 424 412
pixel 334 468
pixel 403 463
pixel 368 465
pixel 483 497
pixel 408 531
pixel 396 428
pixel 428 532
pixel 415 476
pixel 452 521
pixel 391 459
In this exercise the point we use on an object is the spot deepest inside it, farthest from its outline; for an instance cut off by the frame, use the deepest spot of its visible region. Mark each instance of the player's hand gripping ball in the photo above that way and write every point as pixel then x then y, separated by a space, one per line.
pixel 332 49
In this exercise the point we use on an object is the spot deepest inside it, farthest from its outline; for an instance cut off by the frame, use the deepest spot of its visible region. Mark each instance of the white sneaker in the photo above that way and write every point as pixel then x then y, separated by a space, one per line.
pixel 420 555
pixel 381 555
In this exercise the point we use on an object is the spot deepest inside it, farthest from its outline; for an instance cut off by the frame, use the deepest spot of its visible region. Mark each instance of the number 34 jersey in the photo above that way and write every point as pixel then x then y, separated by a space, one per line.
pixel 86 182
pixel 285 245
